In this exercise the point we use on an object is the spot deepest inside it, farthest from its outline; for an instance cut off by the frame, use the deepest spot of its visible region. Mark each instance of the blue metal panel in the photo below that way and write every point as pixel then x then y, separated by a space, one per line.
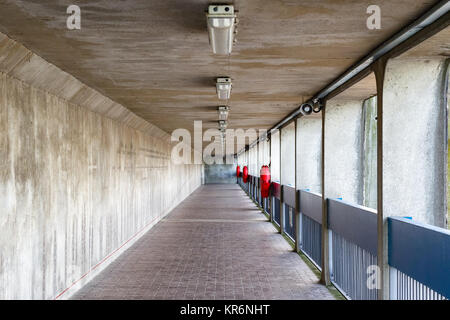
pixel 421 252
pixel 311 205
pixel 355 223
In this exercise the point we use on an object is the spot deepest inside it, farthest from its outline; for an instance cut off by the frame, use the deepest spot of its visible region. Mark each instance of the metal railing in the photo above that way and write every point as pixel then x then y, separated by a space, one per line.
pixel 403 287
pixel 419 260
pixel 266 205
pixel 289 221
pixel 311 226
pixel 311 239
pixel 419 255
pixel 276 208
pixel 353 250
pixel 350 265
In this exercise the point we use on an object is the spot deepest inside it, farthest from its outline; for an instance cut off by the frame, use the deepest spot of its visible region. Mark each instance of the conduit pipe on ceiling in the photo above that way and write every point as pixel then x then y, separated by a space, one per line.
pixel 438 14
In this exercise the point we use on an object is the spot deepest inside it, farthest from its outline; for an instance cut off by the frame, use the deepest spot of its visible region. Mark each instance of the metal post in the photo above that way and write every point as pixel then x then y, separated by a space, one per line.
pixel 269 199
pixel 325 275
pixel 297 204
pixel 281 192
pixel 379 69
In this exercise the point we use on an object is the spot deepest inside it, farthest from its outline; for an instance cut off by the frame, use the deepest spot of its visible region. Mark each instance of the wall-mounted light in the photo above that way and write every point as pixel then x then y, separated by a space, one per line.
pixel 307 108
pixel 318 105
pixel 221 22
pixel 223 88
pixel 223 112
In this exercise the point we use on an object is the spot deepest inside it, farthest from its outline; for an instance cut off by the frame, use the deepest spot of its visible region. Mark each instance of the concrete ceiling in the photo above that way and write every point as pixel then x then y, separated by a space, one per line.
pixel 153 57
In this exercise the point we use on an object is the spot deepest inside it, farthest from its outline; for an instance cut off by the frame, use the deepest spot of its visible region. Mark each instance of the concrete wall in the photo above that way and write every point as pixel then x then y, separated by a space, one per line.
pixel 309 153
pixel 414 140
pixel 75 186
pixel 370 152
pixel 288 155
pixel 343 165
pixel 220 173
pixel 275 156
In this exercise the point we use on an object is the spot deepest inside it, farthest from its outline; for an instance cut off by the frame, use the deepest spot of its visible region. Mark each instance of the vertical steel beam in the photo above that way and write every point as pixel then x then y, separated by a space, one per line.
pixel 270 202
pixel 379 68
pixel 297 204
pixel 281 191
pixel 325 275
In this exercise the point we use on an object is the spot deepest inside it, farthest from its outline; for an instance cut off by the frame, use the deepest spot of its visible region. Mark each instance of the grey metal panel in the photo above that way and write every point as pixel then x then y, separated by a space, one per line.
pixel 289 196
pixel 276 190
pixel 311 205
pixel 421 252
pixel 355 223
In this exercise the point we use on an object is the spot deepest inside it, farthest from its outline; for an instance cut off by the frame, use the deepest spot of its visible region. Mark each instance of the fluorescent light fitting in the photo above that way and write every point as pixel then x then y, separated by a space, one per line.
pixel 223 112
pixel 221 22
pixel 223 88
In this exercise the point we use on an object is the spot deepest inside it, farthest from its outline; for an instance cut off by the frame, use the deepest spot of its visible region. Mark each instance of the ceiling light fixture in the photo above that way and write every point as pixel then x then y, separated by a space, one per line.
pixel 221 22
pixel 223 88
pixel 223 112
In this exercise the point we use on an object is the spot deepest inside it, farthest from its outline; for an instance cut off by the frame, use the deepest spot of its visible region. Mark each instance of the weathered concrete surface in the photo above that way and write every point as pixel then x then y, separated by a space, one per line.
pixel 74 187
pixel 288 155
pixel 263 154
pixel 20 63
pixel 370 152
pixel 275 157
pixel 309 153
pixel 253 161
pixel 343 165
pixel 215 245
pixel 153 56
pixel 220 173
pixel 414 140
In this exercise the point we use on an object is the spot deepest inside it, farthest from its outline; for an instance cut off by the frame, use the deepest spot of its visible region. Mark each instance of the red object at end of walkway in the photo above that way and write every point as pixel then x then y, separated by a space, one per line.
pixel 265 181
pixel 245 174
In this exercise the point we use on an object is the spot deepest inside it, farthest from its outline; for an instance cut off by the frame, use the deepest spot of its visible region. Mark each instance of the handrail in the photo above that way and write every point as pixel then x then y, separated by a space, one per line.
pixel 311 205
pixel 343 217
pixel 420 251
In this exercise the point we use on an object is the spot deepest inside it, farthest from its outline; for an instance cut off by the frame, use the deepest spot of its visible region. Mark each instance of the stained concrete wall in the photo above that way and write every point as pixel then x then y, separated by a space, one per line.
pixel 263 154
pixel 75 186
pixel 370 152
pixel 220 173
pixel 253 161
pixel 275 157
pixel 343 165
pixel 309 153
pixel 414 140
pixel 288 155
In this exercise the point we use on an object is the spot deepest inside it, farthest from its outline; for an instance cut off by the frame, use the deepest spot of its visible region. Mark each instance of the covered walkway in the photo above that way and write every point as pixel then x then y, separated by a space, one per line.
pixel 215 245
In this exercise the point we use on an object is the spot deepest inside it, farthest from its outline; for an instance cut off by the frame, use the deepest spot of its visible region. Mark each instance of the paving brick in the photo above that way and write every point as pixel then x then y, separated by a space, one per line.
pixel 214 245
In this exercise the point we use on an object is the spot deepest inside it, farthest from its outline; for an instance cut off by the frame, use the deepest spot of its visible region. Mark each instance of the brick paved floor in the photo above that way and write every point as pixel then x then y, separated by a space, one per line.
pixel 214 245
